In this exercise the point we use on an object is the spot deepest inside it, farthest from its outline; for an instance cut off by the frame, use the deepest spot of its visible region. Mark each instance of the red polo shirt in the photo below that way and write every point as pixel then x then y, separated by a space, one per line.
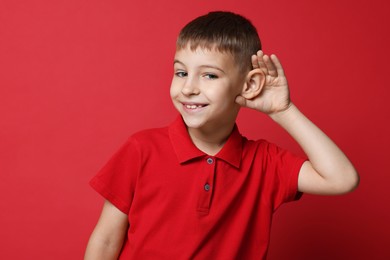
pixel 185 204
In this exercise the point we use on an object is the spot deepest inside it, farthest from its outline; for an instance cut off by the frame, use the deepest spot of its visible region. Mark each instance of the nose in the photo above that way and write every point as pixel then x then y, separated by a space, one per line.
pixel 190 87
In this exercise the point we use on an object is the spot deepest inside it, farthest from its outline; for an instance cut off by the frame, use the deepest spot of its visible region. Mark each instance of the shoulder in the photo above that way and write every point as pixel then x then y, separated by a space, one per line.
pixel 150 134
pixel 260 145
pixel 149 137
pixel 265 150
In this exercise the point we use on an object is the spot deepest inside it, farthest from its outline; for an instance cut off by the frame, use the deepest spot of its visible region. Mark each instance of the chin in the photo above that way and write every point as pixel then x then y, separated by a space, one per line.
pixel 193 122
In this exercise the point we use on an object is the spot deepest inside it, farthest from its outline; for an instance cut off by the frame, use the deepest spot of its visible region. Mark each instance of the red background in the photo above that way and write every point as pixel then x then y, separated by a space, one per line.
pixel 78 77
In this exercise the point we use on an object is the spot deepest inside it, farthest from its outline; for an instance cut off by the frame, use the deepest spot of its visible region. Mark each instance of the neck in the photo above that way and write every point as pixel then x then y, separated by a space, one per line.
pixel 210 141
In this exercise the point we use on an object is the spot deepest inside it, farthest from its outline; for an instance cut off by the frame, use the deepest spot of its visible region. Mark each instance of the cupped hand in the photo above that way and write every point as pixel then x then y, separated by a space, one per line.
pixel 274 96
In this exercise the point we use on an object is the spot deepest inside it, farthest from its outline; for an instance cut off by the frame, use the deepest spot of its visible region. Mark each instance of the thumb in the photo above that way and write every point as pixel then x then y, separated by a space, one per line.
pixel 241 101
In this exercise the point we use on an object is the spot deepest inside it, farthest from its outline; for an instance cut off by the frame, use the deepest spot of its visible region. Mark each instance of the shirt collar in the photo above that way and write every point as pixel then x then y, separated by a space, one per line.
pixel 185 149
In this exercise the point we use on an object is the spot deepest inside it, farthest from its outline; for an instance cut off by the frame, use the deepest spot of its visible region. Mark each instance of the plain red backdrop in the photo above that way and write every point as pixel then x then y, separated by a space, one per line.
pixel 78 77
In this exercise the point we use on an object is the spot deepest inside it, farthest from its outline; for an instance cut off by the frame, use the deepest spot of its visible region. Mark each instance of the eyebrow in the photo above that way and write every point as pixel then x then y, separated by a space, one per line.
pixel 202 66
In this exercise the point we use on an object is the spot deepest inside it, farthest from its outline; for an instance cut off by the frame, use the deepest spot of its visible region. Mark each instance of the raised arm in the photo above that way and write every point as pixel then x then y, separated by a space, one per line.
pixel 107 238
pixel 328 171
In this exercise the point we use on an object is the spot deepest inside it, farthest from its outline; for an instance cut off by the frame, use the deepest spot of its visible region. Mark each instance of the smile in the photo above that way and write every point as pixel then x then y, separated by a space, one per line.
pixel 193 106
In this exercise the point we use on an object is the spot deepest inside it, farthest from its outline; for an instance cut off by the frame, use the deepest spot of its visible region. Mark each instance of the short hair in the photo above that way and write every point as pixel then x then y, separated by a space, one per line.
pixel 225 32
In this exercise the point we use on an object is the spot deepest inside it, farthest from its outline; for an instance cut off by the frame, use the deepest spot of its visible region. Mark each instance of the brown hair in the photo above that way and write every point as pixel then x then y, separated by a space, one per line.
pixel 224 31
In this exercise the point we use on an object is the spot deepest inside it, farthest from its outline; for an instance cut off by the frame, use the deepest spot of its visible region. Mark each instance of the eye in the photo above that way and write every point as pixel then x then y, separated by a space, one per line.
pixel 181 74
pixel 210 76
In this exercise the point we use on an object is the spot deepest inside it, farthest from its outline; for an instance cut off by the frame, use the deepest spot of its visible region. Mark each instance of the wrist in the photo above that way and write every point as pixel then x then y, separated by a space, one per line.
pixel 285 114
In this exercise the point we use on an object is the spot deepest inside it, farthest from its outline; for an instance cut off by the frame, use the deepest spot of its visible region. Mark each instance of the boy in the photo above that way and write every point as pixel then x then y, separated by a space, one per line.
pixel 198 189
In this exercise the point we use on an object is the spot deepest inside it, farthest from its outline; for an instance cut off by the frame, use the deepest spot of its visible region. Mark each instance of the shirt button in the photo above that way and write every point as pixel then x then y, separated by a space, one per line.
pixel 207 187
pixel 210 160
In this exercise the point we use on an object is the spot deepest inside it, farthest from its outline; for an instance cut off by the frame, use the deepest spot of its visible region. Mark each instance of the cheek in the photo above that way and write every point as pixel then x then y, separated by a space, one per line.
pixel 222 98
pixel 173 90
pixel 228 93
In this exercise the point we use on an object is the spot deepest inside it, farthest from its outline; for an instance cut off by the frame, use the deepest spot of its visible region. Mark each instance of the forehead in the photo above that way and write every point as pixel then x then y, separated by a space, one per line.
pixel 204 56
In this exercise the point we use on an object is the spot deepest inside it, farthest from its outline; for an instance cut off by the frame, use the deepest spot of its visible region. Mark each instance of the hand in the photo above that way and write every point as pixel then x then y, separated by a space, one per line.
pixel 275 96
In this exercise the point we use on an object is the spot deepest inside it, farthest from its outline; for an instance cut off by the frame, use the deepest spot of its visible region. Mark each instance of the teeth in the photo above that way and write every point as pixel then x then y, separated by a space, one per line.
pixel 193 106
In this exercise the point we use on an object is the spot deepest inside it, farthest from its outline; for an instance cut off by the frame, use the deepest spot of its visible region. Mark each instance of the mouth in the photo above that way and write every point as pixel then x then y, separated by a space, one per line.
pixel 193 106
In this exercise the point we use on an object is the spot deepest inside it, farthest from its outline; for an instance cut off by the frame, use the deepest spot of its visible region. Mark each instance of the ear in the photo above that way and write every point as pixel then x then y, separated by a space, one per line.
pixel 254 84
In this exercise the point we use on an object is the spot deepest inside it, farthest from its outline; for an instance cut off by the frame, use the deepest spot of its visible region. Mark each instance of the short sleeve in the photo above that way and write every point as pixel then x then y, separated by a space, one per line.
pixel 116 181
pixel 283 168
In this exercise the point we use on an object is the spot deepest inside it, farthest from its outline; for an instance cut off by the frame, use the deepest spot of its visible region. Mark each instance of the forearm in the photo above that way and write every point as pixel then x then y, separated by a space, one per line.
pixel 324 155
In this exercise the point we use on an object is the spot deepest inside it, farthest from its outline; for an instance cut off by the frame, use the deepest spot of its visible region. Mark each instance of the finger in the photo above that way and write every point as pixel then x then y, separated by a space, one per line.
pixel 255 64
pixel 245 102
pixel 272 71
pixel 278 65
pixel 260 62
pixel 241 101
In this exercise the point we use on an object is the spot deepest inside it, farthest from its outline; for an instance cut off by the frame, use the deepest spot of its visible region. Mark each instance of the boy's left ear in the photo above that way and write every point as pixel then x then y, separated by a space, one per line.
pixel 254 84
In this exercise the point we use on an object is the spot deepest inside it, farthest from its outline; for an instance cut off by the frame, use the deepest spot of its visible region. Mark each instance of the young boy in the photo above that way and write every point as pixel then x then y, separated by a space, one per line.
pixel 198 189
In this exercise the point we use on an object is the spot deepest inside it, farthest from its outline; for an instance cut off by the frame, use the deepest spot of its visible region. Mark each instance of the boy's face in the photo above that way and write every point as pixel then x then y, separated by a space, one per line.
pixel 204 88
